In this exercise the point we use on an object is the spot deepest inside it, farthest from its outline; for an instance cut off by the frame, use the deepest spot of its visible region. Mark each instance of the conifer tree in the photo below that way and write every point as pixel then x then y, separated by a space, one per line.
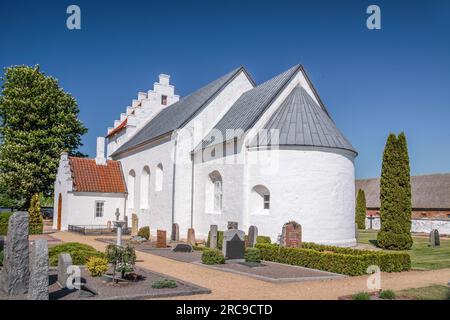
pixel 35 219
pixel 360 212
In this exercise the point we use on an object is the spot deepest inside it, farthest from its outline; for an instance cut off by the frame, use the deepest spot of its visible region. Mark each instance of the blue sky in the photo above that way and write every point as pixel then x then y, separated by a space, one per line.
pixel 372 81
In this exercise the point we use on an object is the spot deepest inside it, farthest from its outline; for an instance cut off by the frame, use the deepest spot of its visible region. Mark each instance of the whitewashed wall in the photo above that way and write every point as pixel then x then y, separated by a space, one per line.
pixel 418 225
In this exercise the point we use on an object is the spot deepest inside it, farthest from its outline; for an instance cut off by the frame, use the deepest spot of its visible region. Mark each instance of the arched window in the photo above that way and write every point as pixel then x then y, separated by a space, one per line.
pixel 145 183
pixel 214 194
pixel 130 186
pixel 159 177
pixel 259 199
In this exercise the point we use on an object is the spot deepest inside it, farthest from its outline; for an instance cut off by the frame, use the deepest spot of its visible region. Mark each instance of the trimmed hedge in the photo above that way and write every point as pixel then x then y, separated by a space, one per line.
pixel 346 261
pixel 252 255
pixel 212 256
pixel 263 239
pixel 79 252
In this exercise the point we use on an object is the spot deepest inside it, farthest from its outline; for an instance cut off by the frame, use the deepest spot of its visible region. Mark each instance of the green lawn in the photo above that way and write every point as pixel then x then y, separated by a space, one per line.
pixel 423 257
pixel 434 292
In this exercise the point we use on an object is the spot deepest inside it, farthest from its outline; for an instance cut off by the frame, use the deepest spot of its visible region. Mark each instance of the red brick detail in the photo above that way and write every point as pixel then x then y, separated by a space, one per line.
pixel 118 128
pixel 90 177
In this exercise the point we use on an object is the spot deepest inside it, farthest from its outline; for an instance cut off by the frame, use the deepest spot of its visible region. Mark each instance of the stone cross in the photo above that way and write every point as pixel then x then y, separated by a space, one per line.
pixel 117 214
pixel 191 236
pixel 252 235
pixel 38 287
pixel 175 236
pixel 64 262
pixel 119 225
pixel 213 236
pixel 15 276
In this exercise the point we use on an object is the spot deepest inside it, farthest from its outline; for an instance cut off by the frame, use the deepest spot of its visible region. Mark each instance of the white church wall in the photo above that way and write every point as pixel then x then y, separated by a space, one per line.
pixel 63 185
pixel 158 213
pixel 418 225
pixel 312 187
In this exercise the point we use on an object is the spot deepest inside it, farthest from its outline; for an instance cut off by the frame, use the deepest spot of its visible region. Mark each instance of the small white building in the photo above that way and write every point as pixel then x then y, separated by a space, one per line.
pixel 231 151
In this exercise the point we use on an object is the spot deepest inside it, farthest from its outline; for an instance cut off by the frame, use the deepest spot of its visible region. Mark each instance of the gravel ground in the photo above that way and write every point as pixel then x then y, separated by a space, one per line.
pixel 226 285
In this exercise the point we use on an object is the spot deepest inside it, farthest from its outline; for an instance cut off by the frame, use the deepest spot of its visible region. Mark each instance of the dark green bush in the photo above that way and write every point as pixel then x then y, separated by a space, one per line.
pixel 4 218
pixel 387 294
pixel 252 255
pixel 36 222
pixel 144 232
pixel 219 240
pixel 78 251
pixel 361 296
pixel 1 258
pixel 212 256
pixel 165 283
pixel 347 261
pixel 263 239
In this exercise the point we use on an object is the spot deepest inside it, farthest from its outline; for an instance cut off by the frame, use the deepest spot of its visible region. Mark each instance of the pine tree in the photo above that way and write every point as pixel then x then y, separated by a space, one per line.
pixel 35 218
pixel 360 212
pixel 395 196
pixel 38 122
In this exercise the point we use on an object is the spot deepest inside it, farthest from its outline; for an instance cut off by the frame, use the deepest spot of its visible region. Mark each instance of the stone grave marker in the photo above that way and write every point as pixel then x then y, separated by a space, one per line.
pixel 213 236
pixel 38 287
pixel 15 275
pixel 134 224
pixel 235 248
pixel 175 235
pixel 64 262
pixel 161 240
pixel 235 252
pixel 292 235
pixel 191 236
pixel 232 225
pixel 182 247
pixel 435 238
pixel 252 235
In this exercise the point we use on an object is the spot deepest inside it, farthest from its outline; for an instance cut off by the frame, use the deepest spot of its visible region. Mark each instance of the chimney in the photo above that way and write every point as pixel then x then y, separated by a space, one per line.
pixel 100 157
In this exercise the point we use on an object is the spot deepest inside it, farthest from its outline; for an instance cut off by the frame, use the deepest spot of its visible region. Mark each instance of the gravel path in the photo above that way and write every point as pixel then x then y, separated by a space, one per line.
pixel 225 285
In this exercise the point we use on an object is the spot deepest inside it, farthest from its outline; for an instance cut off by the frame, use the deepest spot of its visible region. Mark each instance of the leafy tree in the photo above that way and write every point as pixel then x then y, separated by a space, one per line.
pixel 36 223
pixel 39 120
pixel 360 212
pixel 395 196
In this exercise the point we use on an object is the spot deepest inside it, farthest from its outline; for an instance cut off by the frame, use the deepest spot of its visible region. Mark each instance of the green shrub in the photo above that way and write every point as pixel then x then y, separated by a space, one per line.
pixel 165 283
pixel 4 218
pixel 346 261
pixel 199 248
pixel 36 222
pixel 387 294
pixel 212 256
pixel 97 266
pixel 263 239
pixel 361 296
pixel 219 240
pixel 1 258
pixel 252 255
pixel 144 232
pixel 78 251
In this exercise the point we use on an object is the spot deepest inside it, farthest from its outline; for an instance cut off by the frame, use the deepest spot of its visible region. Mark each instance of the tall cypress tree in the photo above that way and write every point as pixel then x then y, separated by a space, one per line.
pixel 395 196
pixel 360 212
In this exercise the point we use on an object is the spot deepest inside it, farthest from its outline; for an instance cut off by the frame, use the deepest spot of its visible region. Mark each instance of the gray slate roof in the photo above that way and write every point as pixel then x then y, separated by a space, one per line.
pixel 428 191
pixel 250 106
pixel 300 121
pixel 176 115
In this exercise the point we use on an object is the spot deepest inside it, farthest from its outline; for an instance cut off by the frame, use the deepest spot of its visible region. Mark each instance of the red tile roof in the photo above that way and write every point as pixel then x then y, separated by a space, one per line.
pixel 90 177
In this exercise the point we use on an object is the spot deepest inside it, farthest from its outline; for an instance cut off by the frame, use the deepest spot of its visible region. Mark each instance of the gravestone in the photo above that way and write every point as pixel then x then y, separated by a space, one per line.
pixel 109 224
pixel 134 224
pixel 232 225
pixel 175 236
pixel 435 238
pixel 182 247
pixel 213 236
pixel 235 248
pixel 227 237
pixel 64 262
pixel 15 275
pixel 191 236
pixel 161 240
pixel 38 287
pixel 252 235
pixel 292 235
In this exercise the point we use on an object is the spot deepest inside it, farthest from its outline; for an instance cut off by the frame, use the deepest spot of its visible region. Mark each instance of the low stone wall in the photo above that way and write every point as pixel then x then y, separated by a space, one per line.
pixel 419 225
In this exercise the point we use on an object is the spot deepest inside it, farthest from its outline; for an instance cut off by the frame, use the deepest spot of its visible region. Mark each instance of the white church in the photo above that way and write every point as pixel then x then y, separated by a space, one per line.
pixel 233 150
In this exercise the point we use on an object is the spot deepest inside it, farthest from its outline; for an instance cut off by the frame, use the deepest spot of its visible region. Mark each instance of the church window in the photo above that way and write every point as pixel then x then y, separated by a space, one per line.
pixel 159 177
pixel 130 187
pixel 259 200
pixel 214 192
pixel 99 208
pixel 164 100
pixel 145 183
